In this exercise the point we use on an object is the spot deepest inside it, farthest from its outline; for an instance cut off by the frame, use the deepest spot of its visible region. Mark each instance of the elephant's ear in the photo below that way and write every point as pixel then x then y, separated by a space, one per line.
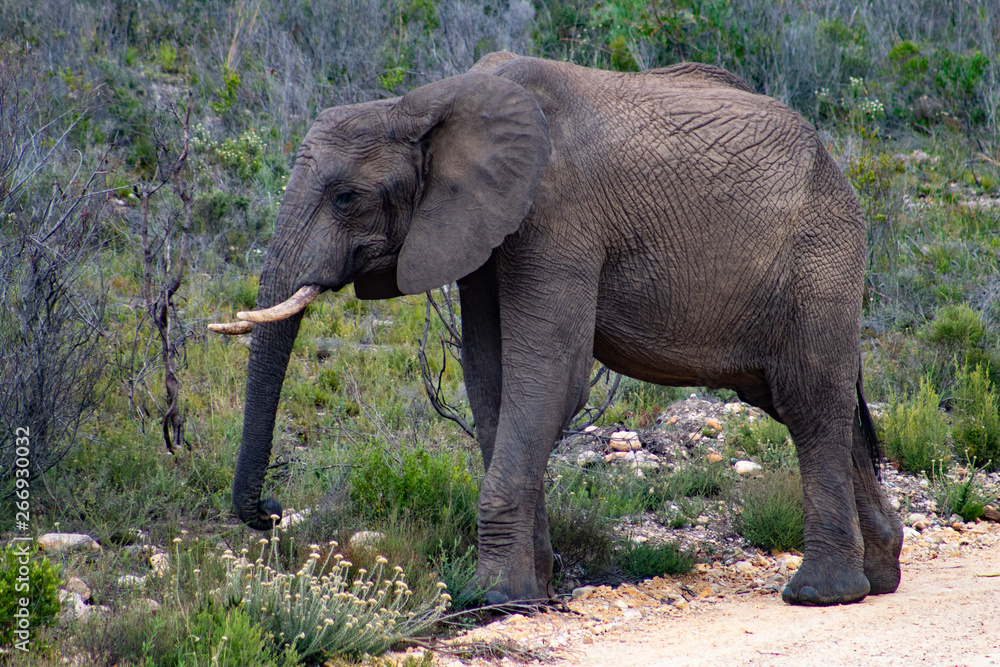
pixel 485 145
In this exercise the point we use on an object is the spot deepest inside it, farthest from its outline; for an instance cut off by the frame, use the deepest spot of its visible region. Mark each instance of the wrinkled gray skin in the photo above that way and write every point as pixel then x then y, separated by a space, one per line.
pixel 673 224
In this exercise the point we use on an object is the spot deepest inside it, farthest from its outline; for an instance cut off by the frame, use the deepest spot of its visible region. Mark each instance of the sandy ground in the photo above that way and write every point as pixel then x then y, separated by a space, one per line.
pixel 945 612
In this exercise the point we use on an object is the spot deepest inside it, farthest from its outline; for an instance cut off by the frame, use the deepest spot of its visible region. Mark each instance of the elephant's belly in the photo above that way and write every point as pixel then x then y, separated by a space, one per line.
pixel 644 358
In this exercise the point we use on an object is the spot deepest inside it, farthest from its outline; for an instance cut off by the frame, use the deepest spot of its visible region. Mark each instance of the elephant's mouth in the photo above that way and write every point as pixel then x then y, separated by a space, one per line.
pixel 282 311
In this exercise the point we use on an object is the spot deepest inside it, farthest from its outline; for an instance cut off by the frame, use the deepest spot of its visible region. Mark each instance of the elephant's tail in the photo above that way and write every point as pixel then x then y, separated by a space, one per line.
pixel 868 429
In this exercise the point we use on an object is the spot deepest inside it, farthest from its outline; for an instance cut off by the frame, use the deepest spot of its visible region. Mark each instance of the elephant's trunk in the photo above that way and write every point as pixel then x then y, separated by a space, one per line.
pixel 270 349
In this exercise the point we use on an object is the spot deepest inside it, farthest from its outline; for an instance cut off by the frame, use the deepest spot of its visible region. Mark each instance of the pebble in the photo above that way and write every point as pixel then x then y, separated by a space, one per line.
pixel 744 566
pixel 624 441
pixel 587 458
pixel 745 468
pixel 713 458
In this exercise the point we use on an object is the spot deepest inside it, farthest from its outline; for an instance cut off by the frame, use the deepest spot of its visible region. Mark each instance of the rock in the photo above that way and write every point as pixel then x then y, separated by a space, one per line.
pixel 732 408
pixel 713 458
pixel 131 581
pixel 365 540
pixel 713 424
pixel 292 517
pixel 746 567
pixel 621 604
pixel 587 458
pixel 789 563
pixel 624 441
pixel 145 605
pixel 909 533
pixel 681 603
pixel 72 607
pixel 77 585
pixel 707 592
pixel 583 592
pixel 990 513
pixel 590 429
pixel 638 539
pixel 631 615
pixel 914 517
pixel 745 468
pixel 895 504
pixel 160 564
pixel 67 541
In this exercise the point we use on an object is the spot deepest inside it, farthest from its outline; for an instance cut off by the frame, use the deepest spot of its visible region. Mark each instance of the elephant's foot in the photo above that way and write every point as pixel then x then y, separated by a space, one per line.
pixel 503 587
pixel 823 585
pixel 882 549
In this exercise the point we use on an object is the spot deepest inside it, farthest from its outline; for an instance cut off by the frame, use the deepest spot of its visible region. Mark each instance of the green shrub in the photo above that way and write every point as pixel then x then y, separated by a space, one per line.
pixel 916 432
pixel 966 496
pixel 770 513
pixel 24 577
pixel 221 637
pixel 646 560
pixel 977 426
pixel 413 481
pixel 457 570
pixel 581 538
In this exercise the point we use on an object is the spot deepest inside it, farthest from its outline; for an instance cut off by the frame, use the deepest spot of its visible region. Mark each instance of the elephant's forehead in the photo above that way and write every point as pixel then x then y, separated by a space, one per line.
pixel 352 126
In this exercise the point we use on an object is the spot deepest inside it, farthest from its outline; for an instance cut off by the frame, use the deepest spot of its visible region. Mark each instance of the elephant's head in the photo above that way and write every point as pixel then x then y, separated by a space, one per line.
pixel 397 197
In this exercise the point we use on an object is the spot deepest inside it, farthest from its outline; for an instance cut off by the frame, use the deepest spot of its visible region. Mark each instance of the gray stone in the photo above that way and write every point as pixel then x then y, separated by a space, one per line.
pixel 365 539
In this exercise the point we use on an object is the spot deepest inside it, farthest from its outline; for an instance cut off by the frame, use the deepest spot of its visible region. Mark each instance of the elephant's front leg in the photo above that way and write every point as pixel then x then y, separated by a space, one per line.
pixel 546 368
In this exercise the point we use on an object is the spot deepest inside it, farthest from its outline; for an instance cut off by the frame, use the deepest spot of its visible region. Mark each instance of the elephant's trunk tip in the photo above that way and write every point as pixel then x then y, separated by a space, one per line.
pixel 268 515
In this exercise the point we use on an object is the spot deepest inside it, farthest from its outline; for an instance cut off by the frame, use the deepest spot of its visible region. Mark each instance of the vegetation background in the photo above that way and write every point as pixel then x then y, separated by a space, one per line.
pixel 144 148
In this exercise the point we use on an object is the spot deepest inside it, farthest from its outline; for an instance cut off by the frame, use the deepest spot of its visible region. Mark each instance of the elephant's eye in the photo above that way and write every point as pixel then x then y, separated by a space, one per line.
pixel 343 201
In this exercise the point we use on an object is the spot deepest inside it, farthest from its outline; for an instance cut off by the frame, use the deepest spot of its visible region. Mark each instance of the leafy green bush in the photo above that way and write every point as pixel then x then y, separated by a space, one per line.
pixel 229 638
pixel 770 513
pixel 24 577
pixel 916 432
pixel 457 570
pixel 414 481
pixel 966 496
pixel 647 560
pixel 977 426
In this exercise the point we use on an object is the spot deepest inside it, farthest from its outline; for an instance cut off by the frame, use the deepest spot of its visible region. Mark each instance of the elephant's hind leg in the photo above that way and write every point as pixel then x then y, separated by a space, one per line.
pixel 880 527
pixel 818 413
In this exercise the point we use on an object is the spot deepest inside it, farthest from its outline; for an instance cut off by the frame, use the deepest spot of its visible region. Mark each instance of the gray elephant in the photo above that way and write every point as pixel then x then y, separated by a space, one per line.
pixel 672 224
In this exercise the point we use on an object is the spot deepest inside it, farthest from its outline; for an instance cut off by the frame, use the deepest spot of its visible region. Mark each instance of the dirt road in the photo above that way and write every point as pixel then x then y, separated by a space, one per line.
pixel 946 612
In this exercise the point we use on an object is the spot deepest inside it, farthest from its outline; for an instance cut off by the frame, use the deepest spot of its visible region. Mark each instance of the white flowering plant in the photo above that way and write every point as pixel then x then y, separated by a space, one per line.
pixel 321 609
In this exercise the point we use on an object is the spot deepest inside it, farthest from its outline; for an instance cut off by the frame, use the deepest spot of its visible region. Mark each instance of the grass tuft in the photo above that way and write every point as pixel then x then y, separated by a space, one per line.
pixel 770 514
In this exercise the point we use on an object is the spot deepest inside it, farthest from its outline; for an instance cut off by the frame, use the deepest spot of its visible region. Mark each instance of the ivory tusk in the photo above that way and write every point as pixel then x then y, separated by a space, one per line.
pixel 231 328
pixel 283 310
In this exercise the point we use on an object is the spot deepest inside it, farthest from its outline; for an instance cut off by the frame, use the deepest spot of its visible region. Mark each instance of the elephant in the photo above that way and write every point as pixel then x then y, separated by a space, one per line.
pixel 672 224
